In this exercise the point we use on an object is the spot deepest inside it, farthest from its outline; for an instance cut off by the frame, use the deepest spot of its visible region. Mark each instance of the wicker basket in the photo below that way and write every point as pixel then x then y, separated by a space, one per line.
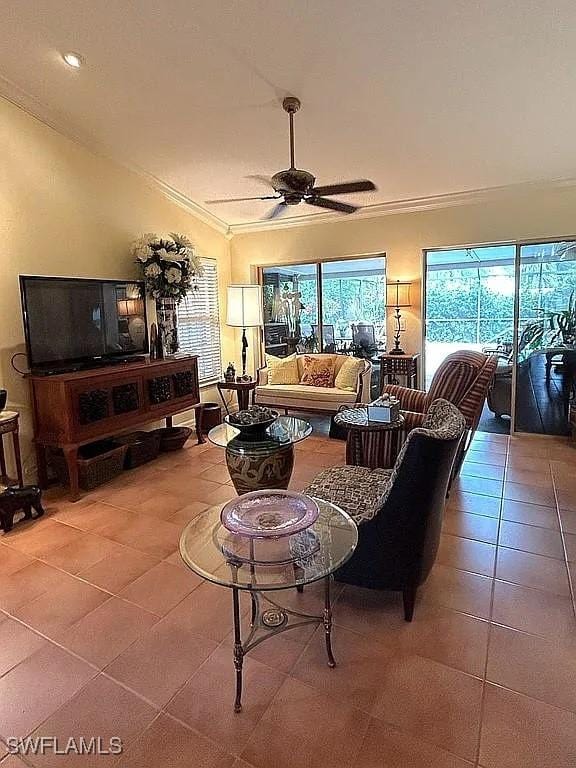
pixel 173 438
pixel 142 447
pixel 98 463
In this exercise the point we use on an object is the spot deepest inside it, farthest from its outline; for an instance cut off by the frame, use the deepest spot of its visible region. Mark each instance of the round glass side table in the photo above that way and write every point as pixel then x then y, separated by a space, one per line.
pixel 269 565
pixel 261 461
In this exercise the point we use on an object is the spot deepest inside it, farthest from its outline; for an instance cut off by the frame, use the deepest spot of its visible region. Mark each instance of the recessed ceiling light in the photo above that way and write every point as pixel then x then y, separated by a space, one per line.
pixel 73 60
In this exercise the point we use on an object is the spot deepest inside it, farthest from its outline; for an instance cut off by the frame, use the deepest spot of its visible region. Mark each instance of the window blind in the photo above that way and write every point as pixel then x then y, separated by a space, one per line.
pixel 199 324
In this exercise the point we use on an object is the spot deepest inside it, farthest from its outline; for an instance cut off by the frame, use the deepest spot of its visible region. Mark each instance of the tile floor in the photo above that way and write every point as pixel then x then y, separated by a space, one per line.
pixel 104 632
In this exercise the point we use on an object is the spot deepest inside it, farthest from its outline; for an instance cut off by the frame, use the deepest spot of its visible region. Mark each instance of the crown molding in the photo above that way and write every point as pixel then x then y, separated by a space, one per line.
pixel 37 109
pixel 40 111
pixel 409 205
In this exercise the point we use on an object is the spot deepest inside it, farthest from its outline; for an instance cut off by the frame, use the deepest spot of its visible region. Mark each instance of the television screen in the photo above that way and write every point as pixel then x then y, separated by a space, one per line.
pixel 72 320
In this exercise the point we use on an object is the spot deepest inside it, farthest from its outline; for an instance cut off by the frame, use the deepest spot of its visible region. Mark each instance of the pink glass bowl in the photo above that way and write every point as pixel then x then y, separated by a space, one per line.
pixel 269 514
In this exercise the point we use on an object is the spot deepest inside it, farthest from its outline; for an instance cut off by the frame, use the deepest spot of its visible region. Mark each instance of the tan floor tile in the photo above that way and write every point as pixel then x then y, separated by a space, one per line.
pixel 532 610
pixel 473 469
pixel 17 642
pixel 161 588
pixel 82 553
pixel 361 663
pixel 11 561
pixel 104 633
pixel 61 607
pixel 206 701
pixel 530 538
pixel 519 731
pixel 385 746
pixel 477 527
pixel 207 611
pixel 41 536
pixel 94 517
pixel 154 537
pixel 530 514
pixel 568 520
pixel 28 583
pixel 467 554
pixel 160 662
pixel 329 732
pixel 529 493
pixel 531 570
pixel 188 513
pixel 542 479
pixel 458 590
pixel 116 571
pixel 482 486
pixel 432 702
pixel 570 542
pixel 542 668
pixel 475 503
pixel 102 707
pixel 161 504
pixel 62 675
pixel 479 456
pixel 168 744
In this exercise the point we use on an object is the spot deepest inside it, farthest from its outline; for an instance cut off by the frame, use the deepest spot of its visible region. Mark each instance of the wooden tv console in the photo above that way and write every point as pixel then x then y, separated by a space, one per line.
pixel 73 409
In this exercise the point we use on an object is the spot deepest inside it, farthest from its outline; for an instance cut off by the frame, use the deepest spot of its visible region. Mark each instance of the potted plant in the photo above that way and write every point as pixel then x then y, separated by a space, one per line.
pixel 557 328
pixel 169 267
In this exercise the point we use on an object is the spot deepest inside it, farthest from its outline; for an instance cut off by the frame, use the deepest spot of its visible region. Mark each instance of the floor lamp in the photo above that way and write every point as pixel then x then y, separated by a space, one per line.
pixel 397 295
pixel 244 311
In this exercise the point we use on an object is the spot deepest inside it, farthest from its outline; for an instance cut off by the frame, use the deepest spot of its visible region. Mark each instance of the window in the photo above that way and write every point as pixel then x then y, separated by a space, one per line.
pixel 199 324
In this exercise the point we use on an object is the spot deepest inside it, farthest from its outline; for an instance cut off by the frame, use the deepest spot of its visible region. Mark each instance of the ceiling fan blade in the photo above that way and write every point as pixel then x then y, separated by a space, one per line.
pixel 240 199
pixel 261 178
pixel 334 205
pixel 276 211
pixel 362 185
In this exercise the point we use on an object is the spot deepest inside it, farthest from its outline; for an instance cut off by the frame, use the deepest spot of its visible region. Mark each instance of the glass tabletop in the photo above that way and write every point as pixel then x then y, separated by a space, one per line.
pixel 286 430
pixel 217 555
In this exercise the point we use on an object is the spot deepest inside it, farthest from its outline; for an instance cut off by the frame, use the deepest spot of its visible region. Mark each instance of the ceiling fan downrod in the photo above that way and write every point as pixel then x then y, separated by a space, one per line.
pixel 291 105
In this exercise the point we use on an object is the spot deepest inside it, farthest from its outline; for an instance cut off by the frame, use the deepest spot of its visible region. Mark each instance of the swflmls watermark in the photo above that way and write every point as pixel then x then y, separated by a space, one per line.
pixel 74 745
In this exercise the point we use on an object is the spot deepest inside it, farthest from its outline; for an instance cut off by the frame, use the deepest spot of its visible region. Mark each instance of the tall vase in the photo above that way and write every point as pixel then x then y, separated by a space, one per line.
pixel 167 325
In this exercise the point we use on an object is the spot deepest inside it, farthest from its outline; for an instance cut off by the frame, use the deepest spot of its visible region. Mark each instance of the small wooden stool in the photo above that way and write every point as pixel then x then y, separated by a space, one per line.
pixel 9 423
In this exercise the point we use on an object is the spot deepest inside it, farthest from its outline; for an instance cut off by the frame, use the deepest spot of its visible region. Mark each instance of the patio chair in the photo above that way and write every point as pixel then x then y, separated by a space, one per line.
pixel 398 512
pixel 463 379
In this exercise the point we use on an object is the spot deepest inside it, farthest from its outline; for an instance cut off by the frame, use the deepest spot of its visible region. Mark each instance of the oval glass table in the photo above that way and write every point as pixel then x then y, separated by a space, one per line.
pixel 261 461
pixel 269 565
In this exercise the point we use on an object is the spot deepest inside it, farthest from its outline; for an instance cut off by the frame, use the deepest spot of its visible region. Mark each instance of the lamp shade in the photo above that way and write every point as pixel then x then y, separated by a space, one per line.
pixel 398 294
pixel 244 306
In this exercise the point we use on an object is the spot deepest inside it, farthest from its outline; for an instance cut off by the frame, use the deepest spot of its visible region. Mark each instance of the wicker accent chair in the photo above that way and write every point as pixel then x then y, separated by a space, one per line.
pixel 463 379
pixel 399 511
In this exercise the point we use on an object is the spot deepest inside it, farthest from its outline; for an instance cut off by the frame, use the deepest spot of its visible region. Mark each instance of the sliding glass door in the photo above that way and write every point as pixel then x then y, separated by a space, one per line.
pixel 336 306
pixel 519 303
pixel 546 358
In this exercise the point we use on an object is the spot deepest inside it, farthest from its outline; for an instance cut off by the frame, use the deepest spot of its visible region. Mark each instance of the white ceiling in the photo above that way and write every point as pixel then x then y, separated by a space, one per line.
pixel 424 98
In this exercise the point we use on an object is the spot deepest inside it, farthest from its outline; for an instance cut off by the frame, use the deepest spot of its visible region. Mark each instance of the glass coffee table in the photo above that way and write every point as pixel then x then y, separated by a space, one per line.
pixel 264 566
pixel 261 461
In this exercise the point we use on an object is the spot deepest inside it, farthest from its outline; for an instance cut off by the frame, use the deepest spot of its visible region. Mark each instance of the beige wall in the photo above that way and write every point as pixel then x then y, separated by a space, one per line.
pixel 66 211
pixel 403 237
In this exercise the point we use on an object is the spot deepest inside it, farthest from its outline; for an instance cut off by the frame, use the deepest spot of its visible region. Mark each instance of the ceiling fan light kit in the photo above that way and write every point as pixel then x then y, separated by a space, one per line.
pixel 294 186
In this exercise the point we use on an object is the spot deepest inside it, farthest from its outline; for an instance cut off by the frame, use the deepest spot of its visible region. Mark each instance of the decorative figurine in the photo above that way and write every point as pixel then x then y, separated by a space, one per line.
pixel 230 374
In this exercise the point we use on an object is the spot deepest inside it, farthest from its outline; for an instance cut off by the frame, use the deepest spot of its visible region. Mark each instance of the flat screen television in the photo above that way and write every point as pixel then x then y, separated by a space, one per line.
pixel 77 322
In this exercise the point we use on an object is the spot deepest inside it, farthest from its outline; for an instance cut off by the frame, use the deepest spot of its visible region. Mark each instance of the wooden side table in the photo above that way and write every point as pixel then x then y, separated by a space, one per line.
pixel 242 389
pixel 9 424
pixel 393 366
pixel 367 444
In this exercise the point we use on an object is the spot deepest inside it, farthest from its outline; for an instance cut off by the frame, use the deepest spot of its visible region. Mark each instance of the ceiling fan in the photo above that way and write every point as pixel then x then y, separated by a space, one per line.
pixel 294 186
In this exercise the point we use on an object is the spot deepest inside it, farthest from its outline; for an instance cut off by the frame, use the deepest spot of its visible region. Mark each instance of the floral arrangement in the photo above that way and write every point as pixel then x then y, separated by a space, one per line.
pixel 169 264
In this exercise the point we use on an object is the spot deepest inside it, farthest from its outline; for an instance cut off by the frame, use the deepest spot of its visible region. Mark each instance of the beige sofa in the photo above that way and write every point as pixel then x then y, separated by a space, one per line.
pixel 301 397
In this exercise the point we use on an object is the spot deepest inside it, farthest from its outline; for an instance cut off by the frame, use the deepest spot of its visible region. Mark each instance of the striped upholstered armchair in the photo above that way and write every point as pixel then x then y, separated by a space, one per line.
pixel 463 379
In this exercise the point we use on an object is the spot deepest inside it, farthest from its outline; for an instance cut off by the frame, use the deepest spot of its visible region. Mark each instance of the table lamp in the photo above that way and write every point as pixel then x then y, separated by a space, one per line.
pixel 244 311
pixel 397 295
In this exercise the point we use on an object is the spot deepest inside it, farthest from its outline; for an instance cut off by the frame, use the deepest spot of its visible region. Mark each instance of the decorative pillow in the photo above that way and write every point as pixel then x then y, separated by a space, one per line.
pixel 282 370
pixel 347 376
pixel 317 371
